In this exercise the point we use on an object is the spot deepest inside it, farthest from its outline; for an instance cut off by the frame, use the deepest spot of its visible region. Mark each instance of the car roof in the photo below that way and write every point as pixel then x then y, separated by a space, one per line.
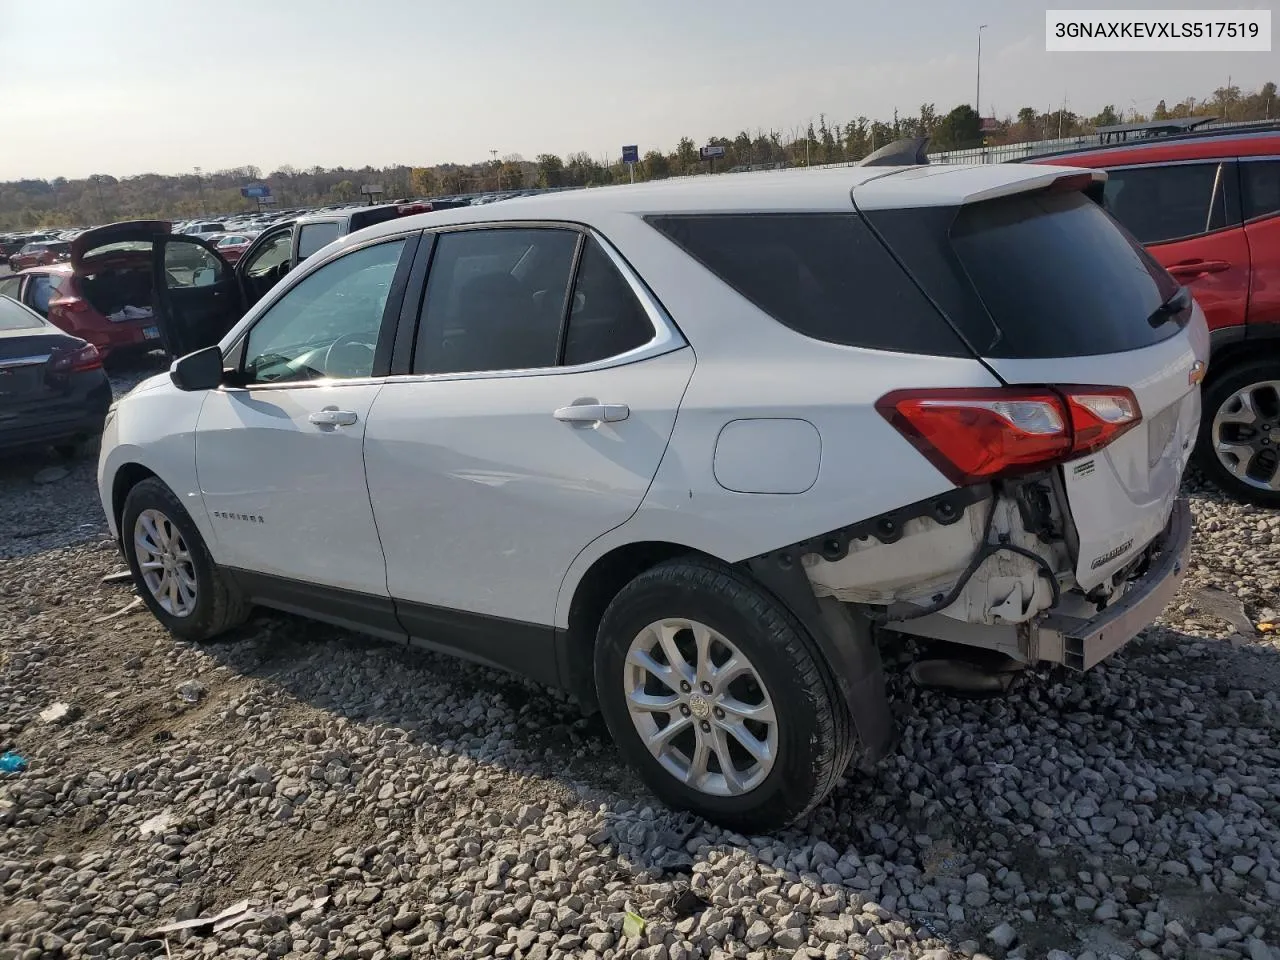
pixel 778 191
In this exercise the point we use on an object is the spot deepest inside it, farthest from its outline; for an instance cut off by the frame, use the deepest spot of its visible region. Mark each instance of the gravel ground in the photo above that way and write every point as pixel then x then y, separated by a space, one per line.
pixel 371 802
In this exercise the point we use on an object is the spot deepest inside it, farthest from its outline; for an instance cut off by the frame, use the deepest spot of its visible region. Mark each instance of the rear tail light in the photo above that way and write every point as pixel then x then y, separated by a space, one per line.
pixel 77 360
pixel 973 435
pixel 406 209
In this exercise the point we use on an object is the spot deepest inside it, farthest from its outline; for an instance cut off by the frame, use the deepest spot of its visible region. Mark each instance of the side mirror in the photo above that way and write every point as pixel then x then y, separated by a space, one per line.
pixel 201 370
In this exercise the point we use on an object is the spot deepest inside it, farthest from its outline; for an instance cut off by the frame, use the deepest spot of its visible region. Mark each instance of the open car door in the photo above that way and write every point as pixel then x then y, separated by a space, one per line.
pixel 197 297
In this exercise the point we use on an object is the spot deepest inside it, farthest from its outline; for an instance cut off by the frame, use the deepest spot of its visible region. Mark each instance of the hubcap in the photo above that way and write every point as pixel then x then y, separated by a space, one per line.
pixel 165 563
pixel 1245 432
pixel 700 707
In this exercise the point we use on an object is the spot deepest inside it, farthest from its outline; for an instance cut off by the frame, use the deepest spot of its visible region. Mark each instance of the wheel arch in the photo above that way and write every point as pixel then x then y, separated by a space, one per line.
pixel 126 477
pixel 1260 342
pixel 595 589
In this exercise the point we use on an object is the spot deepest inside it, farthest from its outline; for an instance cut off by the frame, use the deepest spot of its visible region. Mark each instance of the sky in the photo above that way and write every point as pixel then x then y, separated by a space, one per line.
pixel 134 86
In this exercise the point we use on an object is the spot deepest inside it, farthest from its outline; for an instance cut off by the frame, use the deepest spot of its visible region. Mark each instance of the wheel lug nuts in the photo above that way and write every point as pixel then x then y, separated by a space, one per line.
pixel 706 727
pixel 719 713
pixel 706 687
pixel 684 686
pixel 684 709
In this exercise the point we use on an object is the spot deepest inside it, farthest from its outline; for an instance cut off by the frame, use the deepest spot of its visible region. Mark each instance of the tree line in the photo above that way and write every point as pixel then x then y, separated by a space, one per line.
pixel 29 204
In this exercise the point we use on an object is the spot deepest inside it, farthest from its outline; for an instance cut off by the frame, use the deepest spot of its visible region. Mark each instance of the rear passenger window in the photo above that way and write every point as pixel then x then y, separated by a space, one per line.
pixel 1260 186
pixel 826 276
pixel 495 300
pixel 41 292
pixel 1161 203
pixel 606 319
pixel 313 236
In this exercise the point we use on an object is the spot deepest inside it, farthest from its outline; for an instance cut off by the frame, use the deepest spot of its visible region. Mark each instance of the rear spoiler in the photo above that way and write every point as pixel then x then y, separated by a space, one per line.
pixel 947 185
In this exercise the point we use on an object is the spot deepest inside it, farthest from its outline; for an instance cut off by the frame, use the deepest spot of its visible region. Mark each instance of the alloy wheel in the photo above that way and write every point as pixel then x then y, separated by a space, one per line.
pixel 700 707
pixel 165 563
pixel 1246 434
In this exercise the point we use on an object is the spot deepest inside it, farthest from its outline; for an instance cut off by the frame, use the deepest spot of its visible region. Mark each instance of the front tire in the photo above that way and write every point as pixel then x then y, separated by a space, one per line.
pixel 718 697
pixel 1239 443
pixel 172 568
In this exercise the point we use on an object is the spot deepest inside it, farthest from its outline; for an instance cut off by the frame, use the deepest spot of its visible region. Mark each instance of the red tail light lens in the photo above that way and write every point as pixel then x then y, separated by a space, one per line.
pixel 973 435
pixel 78 360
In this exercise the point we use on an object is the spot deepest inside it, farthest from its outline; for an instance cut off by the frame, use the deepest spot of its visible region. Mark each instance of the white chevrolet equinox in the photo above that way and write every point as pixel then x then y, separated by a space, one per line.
pixel 693 450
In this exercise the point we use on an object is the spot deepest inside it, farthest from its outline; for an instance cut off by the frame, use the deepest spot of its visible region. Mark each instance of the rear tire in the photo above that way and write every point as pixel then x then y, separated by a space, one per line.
pixel 1243 474
pixel 181 584
pixel 785 771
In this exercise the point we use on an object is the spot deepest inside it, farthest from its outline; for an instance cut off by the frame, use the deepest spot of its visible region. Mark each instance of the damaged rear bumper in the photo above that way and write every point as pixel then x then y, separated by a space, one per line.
pixel 1079 644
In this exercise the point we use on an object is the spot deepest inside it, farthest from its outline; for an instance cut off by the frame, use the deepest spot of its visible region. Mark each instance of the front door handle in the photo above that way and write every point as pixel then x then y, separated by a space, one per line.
pixel 333 417
pixel 1194 268
pixel 593 413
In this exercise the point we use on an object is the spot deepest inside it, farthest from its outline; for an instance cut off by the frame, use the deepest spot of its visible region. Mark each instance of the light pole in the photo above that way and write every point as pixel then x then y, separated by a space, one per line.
pixel 977 93
pixel 497 170
pixel 204 210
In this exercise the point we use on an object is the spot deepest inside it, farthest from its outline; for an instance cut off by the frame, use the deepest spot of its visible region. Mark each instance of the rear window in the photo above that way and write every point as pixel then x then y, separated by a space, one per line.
pixel 1035 275
pixel 14 316
pixel 823 275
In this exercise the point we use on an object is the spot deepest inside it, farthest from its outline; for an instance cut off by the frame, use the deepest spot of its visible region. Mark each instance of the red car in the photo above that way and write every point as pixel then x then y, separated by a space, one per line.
pixel 1207 206
pixel 102 295
pixel 39 253
pixel 232 245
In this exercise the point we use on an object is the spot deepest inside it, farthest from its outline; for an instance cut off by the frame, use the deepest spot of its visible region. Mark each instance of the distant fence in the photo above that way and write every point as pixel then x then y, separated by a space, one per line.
pixel 1016 151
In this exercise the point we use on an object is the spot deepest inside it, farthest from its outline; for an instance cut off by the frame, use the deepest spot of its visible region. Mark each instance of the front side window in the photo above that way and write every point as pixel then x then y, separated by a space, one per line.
pixel 9 287
pixel 314 236
pixel 1260 186
pixel 495 300
pixel 1162 203
pixel 271 256
pixel 328 324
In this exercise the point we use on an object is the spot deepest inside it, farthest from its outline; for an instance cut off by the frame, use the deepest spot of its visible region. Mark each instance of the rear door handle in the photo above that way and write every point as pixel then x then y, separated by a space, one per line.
pixel 593 413
pixel 333 417
pixel 1194 268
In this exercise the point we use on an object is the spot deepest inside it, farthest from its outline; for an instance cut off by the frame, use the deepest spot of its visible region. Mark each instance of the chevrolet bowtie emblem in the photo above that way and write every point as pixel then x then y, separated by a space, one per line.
pixel 1196 373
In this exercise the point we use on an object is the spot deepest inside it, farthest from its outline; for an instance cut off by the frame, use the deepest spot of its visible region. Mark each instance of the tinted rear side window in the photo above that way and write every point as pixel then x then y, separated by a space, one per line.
pixel 823 275
pixel 1260 180
pixel 1058 278
pixel 1169 202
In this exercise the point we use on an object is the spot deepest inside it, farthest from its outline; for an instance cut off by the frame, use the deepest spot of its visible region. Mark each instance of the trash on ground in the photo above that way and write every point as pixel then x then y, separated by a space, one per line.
pixel 235 914
pixel 12 763
pixel 633 925
pixel 55 712
pixel 156 825
pixel 1218 603
pixel 120 576
pixel 133 604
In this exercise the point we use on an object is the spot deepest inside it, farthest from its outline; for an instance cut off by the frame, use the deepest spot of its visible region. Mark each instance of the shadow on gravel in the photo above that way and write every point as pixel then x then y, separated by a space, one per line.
pixel 1071 809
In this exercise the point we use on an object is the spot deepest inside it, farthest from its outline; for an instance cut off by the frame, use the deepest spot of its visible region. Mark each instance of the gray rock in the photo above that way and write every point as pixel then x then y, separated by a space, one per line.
pixel 758 934
pixel 1003 936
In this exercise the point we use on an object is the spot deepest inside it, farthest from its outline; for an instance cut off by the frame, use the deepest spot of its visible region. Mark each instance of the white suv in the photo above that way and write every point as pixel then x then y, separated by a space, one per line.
pixel 692 450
